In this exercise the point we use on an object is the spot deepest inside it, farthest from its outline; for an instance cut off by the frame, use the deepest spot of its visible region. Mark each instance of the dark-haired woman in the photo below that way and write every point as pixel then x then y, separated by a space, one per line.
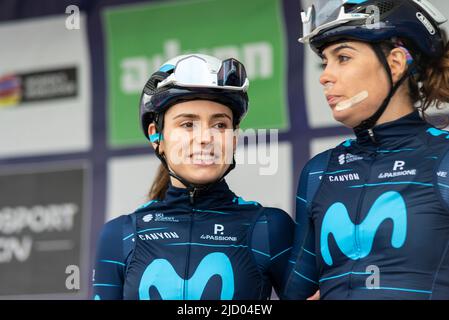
pixel 373 212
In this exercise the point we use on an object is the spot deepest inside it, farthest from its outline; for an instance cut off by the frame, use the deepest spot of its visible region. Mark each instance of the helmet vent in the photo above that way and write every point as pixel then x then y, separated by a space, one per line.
pixel 385 6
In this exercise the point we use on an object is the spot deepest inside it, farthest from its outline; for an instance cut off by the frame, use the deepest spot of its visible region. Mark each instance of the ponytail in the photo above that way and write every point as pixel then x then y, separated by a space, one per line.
pixel 430 86
pixel 160 184
pixel 435 82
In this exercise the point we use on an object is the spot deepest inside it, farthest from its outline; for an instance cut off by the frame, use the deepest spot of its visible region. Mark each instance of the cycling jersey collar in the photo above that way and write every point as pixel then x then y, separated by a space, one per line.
pixel 391 133
pixel 217 194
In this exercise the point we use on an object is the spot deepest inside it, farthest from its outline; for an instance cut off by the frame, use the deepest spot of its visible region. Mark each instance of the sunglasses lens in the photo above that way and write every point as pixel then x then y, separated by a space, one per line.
pixel 232 73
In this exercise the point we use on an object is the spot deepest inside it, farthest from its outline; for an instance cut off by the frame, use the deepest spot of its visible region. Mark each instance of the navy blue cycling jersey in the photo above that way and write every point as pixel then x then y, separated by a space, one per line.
pixel 218 247
pixel 373 217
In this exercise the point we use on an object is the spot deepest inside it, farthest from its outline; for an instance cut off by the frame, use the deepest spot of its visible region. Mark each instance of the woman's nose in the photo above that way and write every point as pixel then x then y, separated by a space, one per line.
pixel 206 136
pixel 203 134
pixel 328 76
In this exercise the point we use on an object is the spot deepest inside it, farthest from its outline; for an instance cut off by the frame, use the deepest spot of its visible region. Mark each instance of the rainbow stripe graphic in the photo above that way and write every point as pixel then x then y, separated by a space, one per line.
pixel 10 90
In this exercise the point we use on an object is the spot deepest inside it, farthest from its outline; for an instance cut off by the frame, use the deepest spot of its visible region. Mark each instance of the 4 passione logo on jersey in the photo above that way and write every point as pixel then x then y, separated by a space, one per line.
pixel 218 234
pixel 398 171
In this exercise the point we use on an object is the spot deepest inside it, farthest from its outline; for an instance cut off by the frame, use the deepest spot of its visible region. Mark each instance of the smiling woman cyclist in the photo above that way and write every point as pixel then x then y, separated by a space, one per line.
pixel 195 239
pixel 373 212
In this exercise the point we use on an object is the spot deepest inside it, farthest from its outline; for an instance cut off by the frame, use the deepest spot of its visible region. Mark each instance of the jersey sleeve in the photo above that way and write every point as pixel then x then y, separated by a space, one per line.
pixel 442 176
pixel 302 272
pixel 281 229
pixel 272 239
pixel 110 261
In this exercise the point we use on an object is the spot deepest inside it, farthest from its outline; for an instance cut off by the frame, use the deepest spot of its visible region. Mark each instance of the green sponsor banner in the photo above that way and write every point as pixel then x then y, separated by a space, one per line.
pixel 142 37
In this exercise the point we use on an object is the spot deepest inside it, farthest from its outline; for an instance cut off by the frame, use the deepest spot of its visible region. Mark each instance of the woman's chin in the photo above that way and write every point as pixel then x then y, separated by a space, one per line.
pixel 344 117
pixel 204 175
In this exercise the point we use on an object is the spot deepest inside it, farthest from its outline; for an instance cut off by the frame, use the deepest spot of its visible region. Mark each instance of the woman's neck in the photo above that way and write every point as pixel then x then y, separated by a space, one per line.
pixel 399 106
pixel 176 183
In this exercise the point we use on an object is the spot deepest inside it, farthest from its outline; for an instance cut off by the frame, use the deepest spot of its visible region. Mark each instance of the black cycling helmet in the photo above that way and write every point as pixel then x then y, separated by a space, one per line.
pixel 416 22
pixel 193 77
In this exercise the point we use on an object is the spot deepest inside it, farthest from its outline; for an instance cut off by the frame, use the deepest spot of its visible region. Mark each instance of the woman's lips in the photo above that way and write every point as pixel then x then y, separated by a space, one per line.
pixel 333 100
pixel 204 159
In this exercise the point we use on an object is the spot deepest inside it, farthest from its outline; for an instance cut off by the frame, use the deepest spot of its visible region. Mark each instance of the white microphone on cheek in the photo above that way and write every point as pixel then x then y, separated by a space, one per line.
pixel 343 105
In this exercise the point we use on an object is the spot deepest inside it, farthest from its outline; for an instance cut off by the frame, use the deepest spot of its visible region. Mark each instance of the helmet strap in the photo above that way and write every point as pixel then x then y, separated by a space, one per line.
pixel 371 121
pixel 191 187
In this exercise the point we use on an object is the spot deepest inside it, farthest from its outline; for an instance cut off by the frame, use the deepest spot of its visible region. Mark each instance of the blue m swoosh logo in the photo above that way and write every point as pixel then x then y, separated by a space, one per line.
pixel 161 275
pixel 337 222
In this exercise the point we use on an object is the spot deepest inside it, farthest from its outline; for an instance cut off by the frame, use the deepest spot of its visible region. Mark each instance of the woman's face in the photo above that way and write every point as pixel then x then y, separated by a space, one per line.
pixel 352 69
pixel 198 140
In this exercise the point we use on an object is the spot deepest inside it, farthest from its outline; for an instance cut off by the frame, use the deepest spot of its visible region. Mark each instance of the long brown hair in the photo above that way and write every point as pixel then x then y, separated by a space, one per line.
pixel 160 184
pixel 435 82
pixel 430 87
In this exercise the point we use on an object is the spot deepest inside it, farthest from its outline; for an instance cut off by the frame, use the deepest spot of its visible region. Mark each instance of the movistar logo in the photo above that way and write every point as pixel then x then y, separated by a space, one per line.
pixel 161 275
pixel 337 222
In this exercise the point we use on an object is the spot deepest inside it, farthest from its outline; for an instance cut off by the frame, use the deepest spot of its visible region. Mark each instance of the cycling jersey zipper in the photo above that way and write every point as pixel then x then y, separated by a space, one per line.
pixel 358 213
pixel 191 197
pixel 371 135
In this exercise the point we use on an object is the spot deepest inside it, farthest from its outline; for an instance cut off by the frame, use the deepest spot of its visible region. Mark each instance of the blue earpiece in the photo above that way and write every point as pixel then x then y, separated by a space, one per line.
pixel 156 137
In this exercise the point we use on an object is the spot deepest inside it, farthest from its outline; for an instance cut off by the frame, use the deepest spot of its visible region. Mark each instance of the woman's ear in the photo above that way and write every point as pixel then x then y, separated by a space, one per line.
pixel 398 63
pixel 152 131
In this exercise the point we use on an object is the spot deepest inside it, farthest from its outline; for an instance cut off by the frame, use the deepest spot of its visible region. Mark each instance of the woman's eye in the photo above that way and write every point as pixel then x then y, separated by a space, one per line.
pixel 221 125
pixel 187 125
pixel 343 58
pixel 323 65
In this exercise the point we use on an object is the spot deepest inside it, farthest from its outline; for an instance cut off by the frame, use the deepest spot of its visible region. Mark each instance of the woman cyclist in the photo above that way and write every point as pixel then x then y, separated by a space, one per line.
pixel 373 212
pixel 195 239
